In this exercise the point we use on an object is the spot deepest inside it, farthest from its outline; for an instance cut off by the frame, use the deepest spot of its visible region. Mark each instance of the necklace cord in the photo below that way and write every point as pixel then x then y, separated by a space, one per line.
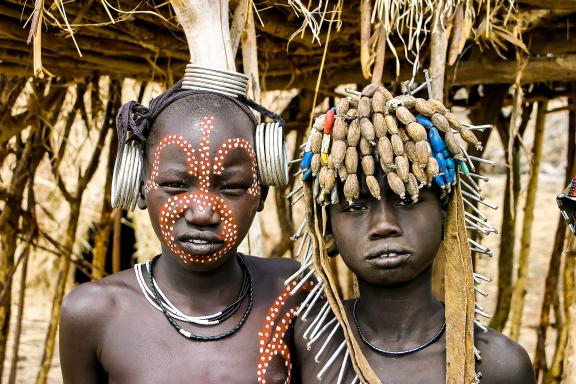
pixel 172 320
pixel 393 353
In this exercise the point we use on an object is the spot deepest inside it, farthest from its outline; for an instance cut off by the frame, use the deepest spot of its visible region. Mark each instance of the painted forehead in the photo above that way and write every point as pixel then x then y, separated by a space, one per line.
pixel 185 116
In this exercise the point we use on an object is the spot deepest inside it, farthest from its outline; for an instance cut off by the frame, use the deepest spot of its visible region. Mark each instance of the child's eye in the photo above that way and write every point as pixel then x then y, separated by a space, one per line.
pixel 233 189
pixel 355 207
pixel 173 185
pixel 407 202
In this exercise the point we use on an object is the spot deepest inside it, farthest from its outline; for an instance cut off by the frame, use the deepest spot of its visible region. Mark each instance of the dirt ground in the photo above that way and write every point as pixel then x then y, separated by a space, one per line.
pixel 38 297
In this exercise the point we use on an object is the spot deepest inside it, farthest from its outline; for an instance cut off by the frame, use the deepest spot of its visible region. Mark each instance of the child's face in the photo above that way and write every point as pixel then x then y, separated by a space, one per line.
pixel 201 189
pixel 388 241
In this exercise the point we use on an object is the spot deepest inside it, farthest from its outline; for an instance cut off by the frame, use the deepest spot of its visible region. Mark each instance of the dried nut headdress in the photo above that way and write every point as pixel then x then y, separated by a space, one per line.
pixel 416 142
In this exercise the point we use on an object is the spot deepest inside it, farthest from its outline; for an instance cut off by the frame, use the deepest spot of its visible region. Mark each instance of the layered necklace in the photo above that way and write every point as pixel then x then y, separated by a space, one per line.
pixel 158 300
pixel 394 353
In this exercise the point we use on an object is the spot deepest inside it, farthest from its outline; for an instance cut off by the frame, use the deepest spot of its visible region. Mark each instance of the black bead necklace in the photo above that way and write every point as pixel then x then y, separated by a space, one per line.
pixel 226 313
pixel 393 353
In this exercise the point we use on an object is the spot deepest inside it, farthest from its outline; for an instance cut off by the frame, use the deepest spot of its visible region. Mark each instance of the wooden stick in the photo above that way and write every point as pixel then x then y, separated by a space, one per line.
pixel 64 265
pixel 25 255
pixel 438 48
pixel 520 288
pixel 378 71
pixel 206 20
pixel 365 25
pixel 551 288
pixel 508 227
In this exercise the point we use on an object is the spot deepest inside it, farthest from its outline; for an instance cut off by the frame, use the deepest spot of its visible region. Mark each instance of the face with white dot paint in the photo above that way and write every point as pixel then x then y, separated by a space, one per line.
pixel 201 184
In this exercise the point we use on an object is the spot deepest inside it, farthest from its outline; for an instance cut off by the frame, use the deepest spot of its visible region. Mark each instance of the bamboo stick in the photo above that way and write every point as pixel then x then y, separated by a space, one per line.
pixel 519 291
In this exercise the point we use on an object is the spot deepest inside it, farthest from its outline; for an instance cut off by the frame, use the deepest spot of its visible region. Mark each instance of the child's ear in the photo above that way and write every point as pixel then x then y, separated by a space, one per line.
pixel 263 195
pixel 330 245
pixel 329 242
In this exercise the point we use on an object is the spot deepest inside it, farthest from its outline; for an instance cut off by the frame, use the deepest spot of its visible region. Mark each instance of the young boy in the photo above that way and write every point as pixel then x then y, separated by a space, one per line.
pixel 202 188
pixel 396 209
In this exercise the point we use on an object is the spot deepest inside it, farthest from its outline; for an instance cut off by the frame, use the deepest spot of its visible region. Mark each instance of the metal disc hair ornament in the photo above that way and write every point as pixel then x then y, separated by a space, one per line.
pixel 271 154
pixel 127 176
pixel 228 83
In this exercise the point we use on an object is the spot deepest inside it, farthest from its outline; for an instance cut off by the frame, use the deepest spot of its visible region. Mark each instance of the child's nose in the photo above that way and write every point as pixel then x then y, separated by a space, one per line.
pixel 201 215
pixel 383 223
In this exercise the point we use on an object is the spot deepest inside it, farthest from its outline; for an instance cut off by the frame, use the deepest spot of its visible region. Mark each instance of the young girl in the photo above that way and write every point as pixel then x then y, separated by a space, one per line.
pixel 191 314
pixel 384 191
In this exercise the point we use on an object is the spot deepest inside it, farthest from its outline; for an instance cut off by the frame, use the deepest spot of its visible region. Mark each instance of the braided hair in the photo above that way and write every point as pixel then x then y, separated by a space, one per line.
pixel 134 121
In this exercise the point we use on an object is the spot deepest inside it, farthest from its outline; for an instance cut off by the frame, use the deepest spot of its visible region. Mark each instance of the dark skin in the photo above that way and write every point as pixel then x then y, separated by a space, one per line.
pixel 110 333
pixel 397 308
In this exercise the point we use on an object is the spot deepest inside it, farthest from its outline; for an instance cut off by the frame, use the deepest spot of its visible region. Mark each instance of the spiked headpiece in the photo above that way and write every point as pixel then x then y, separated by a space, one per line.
pixel 415 142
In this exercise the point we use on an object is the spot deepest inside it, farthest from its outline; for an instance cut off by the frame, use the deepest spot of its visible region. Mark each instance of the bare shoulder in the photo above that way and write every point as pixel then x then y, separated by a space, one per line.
pixel 503 360
pixel 95 302
pixel 274 268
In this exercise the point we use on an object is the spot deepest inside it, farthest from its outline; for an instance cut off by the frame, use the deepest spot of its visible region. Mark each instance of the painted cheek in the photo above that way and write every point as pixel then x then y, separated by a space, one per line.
pixel 175 208
pixel 199 163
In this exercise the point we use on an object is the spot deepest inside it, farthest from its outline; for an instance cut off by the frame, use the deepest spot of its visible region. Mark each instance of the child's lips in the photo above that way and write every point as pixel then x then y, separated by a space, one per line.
pixel 200 243
pixel 199 248
pixel 389 256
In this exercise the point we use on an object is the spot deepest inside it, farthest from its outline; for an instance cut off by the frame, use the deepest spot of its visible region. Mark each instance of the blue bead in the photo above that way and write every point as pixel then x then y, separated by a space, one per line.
pixel 441 162
pixel 435 140
pixel 306 160
pixel 424 121
pixel 450 163
pixel 439 180
pixel 334 109
pixel 306 175
pixel 451 175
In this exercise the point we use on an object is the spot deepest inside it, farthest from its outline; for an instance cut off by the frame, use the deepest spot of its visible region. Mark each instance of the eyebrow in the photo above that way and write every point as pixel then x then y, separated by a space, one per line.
pixel 178 172
pixel 235 172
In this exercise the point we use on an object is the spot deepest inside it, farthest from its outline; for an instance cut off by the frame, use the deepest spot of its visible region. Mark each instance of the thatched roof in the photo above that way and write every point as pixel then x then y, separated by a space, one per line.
pixel 148 47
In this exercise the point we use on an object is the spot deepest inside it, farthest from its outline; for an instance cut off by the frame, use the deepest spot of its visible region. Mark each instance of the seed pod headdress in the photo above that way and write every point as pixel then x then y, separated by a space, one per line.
pixel 416 144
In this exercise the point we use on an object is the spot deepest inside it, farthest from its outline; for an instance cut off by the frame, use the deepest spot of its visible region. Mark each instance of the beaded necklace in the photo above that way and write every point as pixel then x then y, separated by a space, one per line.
pixel 172 314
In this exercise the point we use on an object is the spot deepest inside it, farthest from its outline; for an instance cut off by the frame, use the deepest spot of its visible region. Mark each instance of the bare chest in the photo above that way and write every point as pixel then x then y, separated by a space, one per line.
pixel 142 347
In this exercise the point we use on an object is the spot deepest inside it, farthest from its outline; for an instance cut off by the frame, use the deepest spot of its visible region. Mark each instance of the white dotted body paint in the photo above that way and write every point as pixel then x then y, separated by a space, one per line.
pixel 199 163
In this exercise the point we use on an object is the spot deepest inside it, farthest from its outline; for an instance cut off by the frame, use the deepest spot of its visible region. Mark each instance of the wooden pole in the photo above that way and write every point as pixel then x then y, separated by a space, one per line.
pixel 508 227
pixel 206 21
pixel 365 30
pixel 27 162
pixel 25 256
pixel 438 48
pixel 551 288
pixel 74 200
pixel 106 222
pixel 519 291
pixel 569 358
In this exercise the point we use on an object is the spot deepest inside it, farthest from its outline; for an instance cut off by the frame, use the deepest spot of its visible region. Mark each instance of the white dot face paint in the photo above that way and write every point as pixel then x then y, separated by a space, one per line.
pixel 200 164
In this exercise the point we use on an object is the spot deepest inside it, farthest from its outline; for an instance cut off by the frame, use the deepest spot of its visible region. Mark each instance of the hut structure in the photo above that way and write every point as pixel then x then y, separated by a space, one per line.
pixel 66 66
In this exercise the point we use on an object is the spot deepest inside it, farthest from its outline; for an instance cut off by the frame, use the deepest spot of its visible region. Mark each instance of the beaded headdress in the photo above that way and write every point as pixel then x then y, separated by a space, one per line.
pixel 134 122
pixel 417 143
